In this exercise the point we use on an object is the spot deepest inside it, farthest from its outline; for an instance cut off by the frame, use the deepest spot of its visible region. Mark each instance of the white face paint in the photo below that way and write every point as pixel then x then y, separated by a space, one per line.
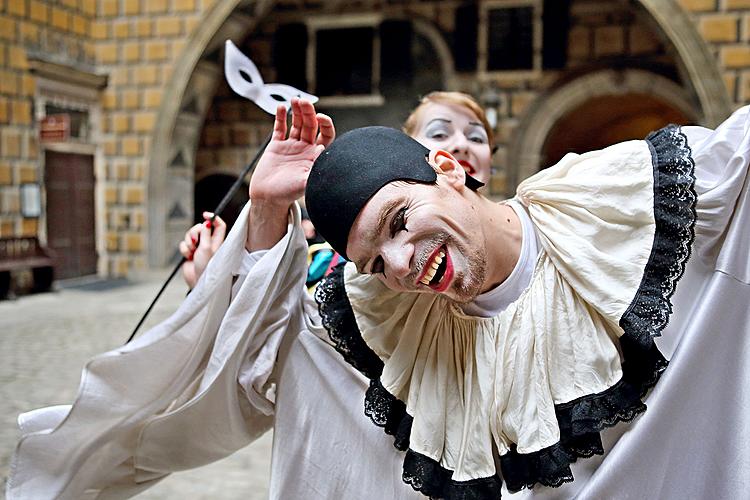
pixel 457 130
pixel 244 78
pixel 420 238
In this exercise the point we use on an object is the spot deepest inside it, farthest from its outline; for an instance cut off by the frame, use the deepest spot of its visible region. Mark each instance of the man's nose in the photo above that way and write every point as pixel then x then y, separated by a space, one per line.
pixel 397 258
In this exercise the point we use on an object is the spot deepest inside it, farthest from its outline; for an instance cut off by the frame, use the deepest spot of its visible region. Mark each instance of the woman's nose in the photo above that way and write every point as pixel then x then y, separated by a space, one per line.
pixel 459 144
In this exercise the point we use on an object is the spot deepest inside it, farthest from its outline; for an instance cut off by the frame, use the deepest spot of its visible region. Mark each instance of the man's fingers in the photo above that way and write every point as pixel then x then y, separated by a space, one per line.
pixel 294 133
pixel 279 124
pixel 309 122
pixel 327 131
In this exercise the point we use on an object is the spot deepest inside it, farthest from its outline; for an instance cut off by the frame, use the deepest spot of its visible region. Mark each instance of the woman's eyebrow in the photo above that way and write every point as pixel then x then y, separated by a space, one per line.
pixel 443 120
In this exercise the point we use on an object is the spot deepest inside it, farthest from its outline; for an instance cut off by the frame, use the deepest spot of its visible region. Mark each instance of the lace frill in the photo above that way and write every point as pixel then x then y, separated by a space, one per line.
pixel 581 420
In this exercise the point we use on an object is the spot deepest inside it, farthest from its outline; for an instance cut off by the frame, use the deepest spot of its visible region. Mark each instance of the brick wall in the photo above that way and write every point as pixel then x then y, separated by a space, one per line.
pixel 137 43
pixel 27 27
pixel 725 24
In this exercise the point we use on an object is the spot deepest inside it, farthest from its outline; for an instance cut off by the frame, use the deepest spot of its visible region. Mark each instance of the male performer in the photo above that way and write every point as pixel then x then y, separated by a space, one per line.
pixel 498 340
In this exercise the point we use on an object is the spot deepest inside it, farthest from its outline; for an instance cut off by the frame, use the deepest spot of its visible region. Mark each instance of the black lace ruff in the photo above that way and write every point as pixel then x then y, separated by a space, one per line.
pixel 581 420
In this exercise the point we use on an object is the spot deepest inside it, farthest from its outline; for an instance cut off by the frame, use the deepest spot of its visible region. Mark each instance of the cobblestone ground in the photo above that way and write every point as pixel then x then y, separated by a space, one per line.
pixel 45 340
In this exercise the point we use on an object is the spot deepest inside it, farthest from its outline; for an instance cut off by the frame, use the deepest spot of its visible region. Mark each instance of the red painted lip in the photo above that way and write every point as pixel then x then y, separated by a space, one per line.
pixel 447 276
pixel 426 267
pixel 467 166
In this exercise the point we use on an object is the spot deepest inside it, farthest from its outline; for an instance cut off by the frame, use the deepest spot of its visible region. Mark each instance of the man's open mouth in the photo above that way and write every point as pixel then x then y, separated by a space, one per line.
pixel 435 269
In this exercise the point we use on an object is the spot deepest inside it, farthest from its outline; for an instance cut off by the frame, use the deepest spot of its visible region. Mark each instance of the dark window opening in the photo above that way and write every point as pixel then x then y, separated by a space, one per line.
pixel 343 64
pixel 465 37
pixel 556 23
pixel 510 39
pixel 396 70
pixel 290 55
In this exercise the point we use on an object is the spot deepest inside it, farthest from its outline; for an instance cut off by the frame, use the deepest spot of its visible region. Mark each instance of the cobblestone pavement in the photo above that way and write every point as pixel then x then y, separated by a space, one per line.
pixel 44 341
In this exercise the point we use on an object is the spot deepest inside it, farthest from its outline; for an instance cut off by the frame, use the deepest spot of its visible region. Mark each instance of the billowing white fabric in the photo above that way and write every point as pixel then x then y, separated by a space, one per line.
pixel 170 399
pixel 690 443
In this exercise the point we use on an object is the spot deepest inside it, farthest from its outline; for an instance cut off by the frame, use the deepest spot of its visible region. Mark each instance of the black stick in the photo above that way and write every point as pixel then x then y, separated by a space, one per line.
pixel 220 208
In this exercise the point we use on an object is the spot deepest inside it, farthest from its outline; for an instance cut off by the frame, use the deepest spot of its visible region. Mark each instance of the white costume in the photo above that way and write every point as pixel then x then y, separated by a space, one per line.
pixel 527 388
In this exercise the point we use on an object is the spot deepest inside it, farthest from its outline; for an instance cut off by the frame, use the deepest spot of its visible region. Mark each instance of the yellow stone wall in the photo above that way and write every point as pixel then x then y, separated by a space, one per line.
pixel 725 25
pixel 28 26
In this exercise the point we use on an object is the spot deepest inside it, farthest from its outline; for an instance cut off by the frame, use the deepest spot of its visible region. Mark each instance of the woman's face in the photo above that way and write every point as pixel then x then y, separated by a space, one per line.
pixel 459 131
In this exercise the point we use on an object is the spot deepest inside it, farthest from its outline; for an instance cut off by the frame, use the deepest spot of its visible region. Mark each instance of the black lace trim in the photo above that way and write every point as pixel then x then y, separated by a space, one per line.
pixel 338 319
pixel 581 420
pixel 674 213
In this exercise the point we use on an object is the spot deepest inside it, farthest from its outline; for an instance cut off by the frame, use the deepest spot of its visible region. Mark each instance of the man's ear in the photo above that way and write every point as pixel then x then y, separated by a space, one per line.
pixel 444 163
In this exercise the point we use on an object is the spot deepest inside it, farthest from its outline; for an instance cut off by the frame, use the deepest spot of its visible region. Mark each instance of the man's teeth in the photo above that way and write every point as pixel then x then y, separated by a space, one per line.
pixel 433 266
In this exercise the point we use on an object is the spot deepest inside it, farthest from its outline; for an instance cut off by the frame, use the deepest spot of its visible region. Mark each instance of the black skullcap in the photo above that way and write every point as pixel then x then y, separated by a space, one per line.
pixel 353 168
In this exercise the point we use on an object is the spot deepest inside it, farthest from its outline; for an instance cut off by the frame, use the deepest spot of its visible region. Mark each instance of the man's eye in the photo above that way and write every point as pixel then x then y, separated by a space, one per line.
pixel 399 222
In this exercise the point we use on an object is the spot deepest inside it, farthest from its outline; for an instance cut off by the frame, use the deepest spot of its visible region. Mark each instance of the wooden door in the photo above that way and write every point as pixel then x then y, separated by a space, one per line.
pixel 69 183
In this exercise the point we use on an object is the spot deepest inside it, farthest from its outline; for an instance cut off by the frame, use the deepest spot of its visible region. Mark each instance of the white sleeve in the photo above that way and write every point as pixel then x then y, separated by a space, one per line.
pixel 246 264
pixel 171 399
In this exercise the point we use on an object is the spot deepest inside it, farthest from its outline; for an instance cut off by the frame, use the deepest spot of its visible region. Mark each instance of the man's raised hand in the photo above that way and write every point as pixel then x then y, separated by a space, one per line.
pixel 281 174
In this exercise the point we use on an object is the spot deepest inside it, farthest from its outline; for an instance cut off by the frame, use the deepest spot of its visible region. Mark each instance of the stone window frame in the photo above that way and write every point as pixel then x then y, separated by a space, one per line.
pixel 482 34
pixel 68 87
pixel 344 21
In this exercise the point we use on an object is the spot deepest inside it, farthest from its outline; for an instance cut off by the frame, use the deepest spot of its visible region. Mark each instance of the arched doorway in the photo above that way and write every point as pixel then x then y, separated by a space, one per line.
pixel 605 120
pixel 591 111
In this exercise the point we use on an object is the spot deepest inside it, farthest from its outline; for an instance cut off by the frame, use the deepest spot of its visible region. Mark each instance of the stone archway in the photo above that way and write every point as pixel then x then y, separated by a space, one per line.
pixel 695 58
pixel 170 141
pixel 608 119
pixel 526 154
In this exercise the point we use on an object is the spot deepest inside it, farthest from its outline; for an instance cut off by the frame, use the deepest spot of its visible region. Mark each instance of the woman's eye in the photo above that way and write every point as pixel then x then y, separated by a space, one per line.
pixel 478 140
pixel 399 222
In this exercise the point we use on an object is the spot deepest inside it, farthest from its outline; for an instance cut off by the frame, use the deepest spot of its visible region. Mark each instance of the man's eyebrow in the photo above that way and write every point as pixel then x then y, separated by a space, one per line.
pixel 382 219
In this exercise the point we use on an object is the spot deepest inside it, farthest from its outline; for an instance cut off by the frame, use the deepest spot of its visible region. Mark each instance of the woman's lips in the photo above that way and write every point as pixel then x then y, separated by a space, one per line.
pixel 467 166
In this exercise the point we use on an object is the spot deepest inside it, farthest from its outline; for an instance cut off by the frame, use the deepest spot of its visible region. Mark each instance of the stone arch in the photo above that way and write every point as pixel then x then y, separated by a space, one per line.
pixel 429 31
pixel 220 22
pixel 525 156
pixel 697 63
